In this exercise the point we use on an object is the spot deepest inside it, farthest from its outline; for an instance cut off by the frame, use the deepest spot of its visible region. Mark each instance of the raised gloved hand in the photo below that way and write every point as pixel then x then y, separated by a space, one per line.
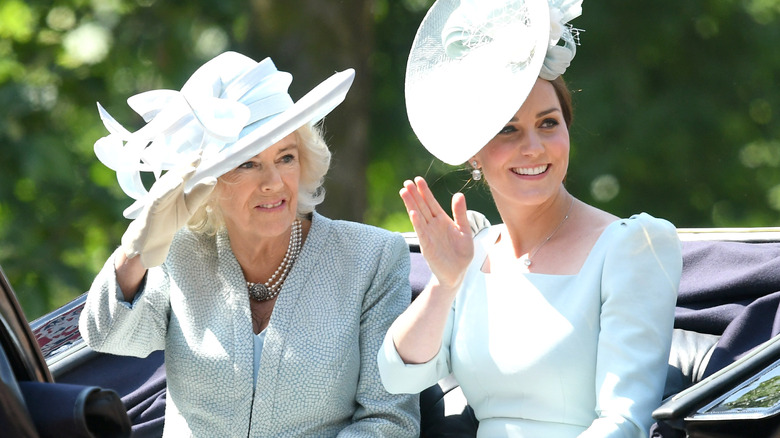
pixel 168 209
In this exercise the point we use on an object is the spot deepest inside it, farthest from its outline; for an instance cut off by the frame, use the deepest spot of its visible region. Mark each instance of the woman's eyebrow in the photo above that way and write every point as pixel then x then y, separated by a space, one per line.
pixel 288 147
pixel 540 114
pixel 544 113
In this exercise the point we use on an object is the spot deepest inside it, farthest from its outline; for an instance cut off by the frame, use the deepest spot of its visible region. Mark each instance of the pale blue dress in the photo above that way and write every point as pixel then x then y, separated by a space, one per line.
pixel 560 356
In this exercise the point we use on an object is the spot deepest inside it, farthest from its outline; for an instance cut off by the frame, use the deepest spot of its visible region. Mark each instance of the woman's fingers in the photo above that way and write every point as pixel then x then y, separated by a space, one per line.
pixel 445 244
pixel 427 196
pixel 430 221
pixel 459 212
pixel 418 222
pixel 414 198
pixel 412 207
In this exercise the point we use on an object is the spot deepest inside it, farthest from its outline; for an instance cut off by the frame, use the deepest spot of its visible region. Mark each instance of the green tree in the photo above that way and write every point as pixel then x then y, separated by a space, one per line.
pixel 678 102
pixel 60 209
pixel 676 106
pixel 675 113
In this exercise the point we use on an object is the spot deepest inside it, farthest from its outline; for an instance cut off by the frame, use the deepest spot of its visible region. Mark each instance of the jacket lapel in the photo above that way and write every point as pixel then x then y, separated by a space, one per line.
pixel 281 328
pixel 233 287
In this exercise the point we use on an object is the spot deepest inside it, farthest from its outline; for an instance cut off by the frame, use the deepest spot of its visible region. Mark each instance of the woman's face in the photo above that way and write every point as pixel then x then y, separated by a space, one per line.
pixel 527 160
pixel 261 195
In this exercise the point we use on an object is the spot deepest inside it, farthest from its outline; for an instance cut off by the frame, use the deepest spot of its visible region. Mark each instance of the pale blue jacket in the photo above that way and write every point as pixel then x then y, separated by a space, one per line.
pixel 318 375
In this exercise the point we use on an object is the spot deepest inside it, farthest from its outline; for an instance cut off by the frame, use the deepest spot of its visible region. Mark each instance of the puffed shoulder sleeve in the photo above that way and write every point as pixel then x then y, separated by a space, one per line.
pixel 640 280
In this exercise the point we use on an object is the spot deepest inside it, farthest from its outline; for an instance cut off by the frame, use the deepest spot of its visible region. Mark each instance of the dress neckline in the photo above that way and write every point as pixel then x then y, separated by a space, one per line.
pixel 493 232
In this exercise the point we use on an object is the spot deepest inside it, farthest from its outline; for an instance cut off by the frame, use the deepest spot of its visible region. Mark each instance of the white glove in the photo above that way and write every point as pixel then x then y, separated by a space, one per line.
pixel 168 209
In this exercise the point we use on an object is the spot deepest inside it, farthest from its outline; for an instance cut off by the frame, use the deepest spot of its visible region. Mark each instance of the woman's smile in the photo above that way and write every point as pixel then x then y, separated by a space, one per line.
pixel 531 171
pixel 259 197
pixel 526 161
pixel 271 205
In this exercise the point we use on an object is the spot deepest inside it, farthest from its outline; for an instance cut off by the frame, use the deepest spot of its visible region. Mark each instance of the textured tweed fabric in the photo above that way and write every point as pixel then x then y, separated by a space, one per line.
pixel 318 375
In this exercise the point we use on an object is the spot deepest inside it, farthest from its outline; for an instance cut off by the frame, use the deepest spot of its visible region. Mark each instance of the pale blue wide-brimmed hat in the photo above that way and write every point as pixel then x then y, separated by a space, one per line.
pixel 229 110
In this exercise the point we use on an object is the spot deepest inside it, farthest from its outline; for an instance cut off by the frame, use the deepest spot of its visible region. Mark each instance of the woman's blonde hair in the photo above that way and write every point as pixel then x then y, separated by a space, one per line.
pixel 314 157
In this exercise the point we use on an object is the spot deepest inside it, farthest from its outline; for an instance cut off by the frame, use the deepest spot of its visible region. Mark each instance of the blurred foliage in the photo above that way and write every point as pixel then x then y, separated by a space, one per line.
pixel 676 108
pixel 765 395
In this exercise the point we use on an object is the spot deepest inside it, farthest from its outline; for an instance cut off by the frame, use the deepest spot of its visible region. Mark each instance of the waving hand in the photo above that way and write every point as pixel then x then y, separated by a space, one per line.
pixel 446 243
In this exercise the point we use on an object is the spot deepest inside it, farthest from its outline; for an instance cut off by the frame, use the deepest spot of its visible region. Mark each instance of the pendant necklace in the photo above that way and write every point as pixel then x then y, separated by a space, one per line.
pixel 527 261
pixel 270 289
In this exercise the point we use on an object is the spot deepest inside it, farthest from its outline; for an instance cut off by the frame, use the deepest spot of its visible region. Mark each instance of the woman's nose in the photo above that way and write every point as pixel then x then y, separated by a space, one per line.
pixel 531 144
pixel 270 179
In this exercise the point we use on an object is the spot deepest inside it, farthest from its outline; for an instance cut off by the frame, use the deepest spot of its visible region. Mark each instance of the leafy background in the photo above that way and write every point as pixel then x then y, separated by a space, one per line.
pixel 676 106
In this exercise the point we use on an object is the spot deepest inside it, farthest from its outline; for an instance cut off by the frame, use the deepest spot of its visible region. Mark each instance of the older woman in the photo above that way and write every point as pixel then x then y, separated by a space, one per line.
pixel 270 314
pixel 557 322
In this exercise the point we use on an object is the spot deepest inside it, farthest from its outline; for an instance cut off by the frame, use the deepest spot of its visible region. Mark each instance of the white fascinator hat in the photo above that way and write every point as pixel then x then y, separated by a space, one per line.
pixel 229 110
pixel 473 63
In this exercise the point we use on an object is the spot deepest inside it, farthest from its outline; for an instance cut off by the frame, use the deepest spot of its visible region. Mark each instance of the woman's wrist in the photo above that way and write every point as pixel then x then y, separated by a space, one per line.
pixel 130 273
pixel 447 286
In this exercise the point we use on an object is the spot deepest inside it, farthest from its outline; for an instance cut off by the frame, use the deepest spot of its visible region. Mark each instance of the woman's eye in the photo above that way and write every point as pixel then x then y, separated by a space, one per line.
pixel 550 123
pixel 289 158
pixel 247 165
pixel 507 129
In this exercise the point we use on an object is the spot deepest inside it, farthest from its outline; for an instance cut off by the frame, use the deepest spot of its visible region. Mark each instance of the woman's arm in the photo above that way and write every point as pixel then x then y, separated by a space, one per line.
pixel 110 323
pixel 130 273
pixel 114 319
pixel 448 248
pixel 639 291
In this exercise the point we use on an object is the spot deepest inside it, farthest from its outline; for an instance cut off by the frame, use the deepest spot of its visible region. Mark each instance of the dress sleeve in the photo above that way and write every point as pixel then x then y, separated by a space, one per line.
pixel 379 413
pixel 402 378
pixel 110 324
pixel 640 281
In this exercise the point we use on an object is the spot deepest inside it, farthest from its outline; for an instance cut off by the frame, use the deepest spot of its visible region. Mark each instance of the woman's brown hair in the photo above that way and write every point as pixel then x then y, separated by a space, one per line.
pixel 564 97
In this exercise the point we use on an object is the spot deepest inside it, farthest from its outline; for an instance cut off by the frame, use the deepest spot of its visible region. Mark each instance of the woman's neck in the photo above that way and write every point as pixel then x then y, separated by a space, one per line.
pixel 258 256
pixel 529 226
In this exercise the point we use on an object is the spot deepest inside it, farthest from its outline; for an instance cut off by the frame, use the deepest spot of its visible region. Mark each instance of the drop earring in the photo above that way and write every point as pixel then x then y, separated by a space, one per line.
pixel 476 174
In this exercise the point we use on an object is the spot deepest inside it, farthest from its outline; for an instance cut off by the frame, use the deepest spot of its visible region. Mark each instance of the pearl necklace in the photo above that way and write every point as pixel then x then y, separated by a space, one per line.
pixel 527 261
pixel 270 289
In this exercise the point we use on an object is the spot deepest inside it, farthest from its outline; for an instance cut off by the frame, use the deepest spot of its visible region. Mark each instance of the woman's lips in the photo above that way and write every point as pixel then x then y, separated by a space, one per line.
pixel 270 206
pixel 531 171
